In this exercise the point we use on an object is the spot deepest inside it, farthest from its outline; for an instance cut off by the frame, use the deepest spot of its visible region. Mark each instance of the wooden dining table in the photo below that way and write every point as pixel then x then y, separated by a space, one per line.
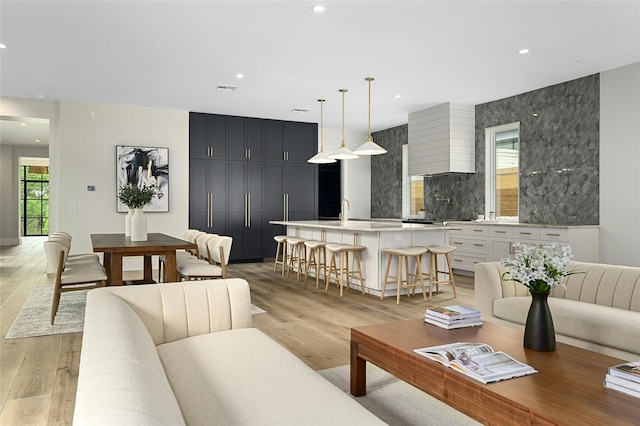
pixel 116 246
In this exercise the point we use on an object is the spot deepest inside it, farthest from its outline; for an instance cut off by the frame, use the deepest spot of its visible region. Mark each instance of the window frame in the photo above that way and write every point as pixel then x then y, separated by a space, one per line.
pixel 490 166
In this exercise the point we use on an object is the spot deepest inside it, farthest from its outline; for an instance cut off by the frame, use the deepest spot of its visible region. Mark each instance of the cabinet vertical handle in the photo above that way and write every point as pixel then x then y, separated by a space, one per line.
pixel 245 209
pixel 249 153
pixel 249 211
pixel 284 207
pixel 287 210
pixel 209 210
pixel 511 251
pixel 284 155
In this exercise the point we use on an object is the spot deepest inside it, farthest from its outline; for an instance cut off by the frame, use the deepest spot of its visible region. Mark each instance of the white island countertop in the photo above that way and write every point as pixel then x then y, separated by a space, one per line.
pixel 363 226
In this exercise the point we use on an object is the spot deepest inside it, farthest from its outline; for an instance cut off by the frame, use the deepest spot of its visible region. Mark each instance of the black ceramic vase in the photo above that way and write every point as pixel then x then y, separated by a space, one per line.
pixel 539 333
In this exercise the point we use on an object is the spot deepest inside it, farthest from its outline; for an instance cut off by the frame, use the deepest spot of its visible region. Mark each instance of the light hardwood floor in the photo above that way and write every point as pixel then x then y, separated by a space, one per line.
pixel 38 376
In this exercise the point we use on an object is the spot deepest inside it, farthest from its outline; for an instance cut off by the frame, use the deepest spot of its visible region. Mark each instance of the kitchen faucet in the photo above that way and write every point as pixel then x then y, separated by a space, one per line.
pixel 343 216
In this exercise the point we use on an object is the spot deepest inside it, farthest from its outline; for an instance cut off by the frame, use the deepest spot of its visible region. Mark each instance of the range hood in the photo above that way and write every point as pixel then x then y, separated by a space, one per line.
pixel 442 140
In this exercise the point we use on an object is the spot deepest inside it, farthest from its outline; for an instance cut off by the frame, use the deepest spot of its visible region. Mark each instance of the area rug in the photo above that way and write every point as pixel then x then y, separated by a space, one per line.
pixel 33 319
pixel 396 402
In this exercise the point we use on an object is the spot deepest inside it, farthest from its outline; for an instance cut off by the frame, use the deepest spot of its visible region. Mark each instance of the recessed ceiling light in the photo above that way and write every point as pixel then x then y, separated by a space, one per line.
pixel 3 46
pixel 37 140
pixel 239 75
pixel 398 96
pixel 523 51
pixel 319 8
pixel 40 96
pixel 300 110
pixel 23 124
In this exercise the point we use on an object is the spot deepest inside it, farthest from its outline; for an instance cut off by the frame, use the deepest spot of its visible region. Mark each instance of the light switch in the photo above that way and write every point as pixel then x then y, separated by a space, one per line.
pixel 73 207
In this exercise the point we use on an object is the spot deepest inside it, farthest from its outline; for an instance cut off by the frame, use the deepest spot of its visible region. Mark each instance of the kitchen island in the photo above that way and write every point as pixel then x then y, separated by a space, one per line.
pixel 374 235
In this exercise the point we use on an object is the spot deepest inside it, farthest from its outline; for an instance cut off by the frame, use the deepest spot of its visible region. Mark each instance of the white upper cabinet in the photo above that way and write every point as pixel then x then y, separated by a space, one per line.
pixel 442 140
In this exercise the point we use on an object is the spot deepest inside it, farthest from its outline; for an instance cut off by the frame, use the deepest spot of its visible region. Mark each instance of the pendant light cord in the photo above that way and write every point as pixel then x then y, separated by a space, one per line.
pixel 343 91
pixel 321 125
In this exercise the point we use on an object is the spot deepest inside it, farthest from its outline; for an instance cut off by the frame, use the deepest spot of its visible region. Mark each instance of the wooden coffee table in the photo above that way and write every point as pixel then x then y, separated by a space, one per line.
pixel 566 390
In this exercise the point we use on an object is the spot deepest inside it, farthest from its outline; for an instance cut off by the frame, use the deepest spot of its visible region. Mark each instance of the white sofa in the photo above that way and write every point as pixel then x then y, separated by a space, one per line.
pixel 185 353
pixel 599 310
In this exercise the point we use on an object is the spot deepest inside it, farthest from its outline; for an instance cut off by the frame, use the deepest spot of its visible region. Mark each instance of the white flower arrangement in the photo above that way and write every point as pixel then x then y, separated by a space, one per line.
pixel 539 269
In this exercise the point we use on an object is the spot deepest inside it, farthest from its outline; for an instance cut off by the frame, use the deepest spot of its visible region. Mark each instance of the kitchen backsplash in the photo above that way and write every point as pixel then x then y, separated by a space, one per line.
pixel 559 159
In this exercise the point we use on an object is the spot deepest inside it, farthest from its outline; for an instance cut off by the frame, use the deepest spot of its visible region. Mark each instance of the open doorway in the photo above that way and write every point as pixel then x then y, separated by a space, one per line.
pixel 34 196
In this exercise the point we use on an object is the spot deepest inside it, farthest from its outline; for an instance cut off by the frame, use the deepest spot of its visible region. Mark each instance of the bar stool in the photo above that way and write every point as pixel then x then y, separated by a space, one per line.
pixel 317 259
pixel 343 250
pixel 297 255
pixel 282 245
pixel 434 251
pixel 403 255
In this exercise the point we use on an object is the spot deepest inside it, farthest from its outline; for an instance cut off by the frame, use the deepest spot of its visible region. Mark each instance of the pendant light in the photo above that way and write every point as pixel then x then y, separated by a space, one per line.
pixel 343 153
pixel 321 157
pixel 369 147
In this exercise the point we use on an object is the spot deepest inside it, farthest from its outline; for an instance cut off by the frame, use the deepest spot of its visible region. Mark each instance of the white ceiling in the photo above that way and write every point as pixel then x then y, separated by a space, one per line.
pixel 173 54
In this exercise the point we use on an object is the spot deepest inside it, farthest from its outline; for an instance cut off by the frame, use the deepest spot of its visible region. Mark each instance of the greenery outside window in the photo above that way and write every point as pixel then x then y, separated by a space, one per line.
pixel 502 171
pixel 34 202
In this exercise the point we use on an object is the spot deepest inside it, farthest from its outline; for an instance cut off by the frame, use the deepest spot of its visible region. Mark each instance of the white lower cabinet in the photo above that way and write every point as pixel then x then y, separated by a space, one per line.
pixel 472 246
pixel 488 242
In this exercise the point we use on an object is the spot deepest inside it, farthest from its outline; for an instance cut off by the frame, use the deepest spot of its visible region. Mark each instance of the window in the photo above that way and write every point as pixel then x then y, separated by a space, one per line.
pixel 412 188
pixel 34 206
pixel 502 170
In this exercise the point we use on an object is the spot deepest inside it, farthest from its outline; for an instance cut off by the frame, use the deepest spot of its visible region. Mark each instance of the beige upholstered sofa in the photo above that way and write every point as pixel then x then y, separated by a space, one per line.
pixel 599 310
pixel 185 353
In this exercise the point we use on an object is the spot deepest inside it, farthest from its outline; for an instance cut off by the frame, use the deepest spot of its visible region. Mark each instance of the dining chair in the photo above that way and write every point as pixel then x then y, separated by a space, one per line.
pixel 79 276
pixel 218 250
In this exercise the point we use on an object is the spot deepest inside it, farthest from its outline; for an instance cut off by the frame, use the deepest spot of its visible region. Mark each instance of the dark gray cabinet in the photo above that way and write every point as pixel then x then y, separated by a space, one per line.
pixel 291 194
pixel 245 138
pixel 246 209
pixel 245 172
pixel 290 141
pixel 207 136
pixel 208 195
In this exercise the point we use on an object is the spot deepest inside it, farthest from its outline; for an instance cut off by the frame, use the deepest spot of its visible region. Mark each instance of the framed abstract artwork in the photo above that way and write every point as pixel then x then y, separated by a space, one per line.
pixel 140 165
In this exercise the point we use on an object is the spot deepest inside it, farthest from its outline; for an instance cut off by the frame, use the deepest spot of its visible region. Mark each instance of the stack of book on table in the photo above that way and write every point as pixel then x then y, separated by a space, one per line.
pixel 454 316
pixel 624 378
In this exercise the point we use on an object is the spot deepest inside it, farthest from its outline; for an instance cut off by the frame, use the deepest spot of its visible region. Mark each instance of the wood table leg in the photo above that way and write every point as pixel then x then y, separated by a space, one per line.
pixel 116 269
pixel 106 262
pixel 171 267
pixel 358 372
pixel 148 272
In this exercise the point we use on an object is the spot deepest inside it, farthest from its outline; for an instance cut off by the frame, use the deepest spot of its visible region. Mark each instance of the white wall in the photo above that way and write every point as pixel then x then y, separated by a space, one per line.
pixel 620 166
pixel 356 174
pixel 85 155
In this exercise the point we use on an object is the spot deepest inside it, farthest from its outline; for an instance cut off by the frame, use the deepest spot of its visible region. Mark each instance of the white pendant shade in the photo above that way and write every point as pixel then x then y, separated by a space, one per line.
pixel 343 153
pixel 321 157
pixel 370 148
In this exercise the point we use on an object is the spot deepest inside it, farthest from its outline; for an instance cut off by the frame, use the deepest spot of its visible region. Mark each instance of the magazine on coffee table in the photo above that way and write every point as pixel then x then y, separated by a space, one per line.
pixel 478 361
